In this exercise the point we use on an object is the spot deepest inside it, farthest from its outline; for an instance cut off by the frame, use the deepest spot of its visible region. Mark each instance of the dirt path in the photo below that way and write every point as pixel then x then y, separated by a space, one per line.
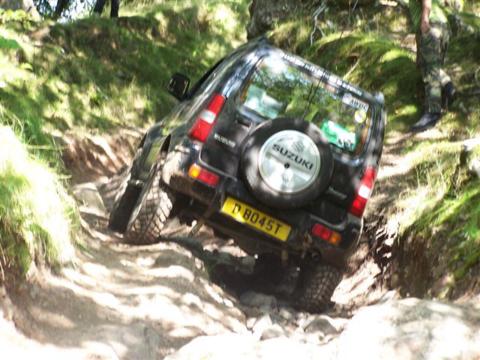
pixel 126 302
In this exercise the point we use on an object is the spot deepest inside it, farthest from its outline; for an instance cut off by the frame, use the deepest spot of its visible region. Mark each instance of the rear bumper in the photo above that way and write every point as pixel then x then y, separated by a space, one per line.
pixel 207 202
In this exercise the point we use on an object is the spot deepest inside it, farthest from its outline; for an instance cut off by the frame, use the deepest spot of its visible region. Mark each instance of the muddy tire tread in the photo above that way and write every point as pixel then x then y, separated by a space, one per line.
pixel 152 216
pixel 316 286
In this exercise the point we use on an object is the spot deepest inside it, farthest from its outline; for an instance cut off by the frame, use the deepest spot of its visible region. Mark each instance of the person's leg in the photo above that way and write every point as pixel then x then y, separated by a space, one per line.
pixel 99 5
pixel 431 52
pixel 444 41
pixel 430 59
pixel 114 8
pixel 448 89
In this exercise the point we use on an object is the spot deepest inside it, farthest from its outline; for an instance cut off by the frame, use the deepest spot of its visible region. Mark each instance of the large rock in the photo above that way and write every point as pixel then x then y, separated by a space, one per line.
pixel 88 196
pixel 412 329
pixel 264 14
pixel 236 347
pixel 474 167
pixel 407 329
pixel 258 300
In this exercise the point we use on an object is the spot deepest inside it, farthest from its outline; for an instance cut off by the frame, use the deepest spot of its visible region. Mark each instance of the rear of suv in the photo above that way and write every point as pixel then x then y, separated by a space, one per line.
pixel 269 150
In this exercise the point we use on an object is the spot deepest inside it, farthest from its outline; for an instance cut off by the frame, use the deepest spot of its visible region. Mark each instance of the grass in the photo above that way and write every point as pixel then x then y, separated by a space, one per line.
pixel 36 214
pixel 99 74
pixel 447 208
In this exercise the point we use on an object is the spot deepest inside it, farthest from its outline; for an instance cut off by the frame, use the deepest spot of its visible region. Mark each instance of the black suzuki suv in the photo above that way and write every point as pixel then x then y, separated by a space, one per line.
pixel 271 151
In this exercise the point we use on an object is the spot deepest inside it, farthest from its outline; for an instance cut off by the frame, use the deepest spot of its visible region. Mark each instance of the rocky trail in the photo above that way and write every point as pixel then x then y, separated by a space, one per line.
pixel 149 302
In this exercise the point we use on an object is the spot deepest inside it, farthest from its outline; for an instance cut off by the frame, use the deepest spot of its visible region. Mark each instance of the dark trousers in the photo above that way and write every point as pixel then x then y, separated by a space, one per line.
pixel 431 51
pixel 114 7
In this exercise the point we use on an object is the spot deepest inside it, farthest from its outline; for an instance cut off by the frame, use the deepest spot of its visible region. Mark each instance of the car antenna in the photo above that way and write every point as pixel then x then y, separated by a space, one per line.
pixel 311 95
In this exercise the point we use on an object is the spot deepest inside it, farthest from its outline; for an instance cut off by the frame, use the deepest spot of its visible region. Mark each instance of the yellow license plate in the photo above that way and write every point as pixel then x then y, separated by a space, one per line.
pixel 245 214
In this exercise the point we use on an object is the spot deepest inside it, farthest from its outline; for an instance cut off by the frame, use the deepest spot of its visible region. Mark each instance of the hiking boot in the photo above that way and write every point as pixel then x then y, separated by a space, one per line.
pixel 427 121
pixel 448 95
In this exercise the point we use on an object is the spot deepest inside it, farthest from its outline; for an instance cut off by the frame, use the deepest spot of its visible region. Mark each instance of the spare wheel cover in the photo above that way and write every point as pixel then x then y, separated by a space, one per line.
pixel 289 161
pixel 286 163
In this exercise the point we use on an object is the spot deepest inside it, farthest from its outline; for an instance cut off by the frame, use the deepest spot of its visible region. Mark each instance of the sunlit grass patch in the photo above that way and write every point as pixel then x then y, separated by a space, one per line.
pixel 36 214
pixel 433 165
pixel 435 176
pixel 88 73
pixel 8 44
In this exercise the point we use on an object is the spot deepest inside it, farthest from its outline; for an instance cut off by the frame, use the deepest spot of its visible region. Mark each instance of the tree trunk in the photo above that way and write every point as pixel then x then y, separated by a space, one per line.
pixel 61 6
pixel 265 13
pixel 114 6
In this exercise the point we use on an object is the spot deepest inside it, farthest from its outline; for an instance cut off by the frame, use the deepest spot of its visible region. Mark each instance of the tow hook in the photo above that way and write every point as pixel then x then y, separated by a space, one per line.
pixel 196 228
pixel 284 257
pixel 214 206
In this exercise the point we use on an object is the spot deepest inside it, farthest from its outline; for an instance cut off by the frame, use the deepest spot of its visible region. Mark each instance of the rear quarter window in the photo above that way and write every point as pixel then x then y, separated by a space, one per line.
pixel 278 88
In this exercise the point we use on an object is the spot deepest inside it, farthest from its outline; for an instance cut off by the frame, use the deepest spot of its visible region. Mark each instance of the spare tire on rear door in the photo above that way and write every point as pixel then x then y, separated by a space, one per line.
pixel 287 163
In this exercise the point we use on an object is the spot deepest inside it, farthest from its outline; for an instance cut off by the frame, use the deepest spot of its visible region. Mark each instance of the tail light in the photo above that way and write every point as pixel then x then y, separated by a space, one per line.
pixel 206 120
pixel 363 192
pixel 207 177
pixel 326 234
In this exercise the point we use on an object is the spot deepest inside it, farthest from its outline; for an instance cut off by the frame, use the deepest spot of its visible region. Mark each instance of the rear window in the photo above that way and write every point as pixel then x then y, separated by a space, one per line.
pixel 278 88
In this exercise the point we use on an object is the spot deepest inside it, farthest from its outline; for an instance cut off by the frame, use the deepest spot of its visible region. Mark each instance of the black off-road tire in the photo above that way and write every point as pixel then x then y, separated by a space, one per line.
pixel 316 286
pixel 152 210
pixel 125 199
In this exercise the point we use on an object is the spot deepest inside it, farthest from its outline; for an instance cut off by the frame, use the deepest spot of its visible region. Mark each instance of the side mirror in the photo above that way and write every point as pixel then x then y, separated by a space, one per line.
pixel 178 85
pixel 380 98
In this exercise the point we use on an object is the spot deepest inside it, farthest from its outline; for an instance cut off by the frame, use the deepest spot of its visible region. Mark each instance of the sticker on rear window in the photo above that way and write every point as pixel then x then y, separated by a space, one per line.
pixel 360 116
pixel 350 100
pixel 339 136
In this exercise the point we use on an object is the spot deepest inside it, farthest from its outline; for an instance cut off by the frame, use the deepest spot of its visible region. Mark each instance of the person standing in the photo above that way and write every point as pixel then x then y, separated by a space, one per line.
pixel 429 18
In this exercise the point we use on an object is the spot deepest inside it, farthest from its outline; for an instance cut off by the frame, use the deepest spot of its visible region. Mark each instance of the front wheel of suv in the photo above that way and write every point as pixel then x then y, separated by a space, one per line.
pixel 151 211
pixel 316 285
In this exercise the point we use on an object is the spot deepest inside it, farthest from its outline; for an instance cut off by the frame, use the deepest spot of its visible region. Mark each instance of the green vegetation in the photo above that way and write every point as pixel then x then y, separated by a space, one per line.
pixel 446 209
pixel 439 202
pixel 36 214
pixel 96 75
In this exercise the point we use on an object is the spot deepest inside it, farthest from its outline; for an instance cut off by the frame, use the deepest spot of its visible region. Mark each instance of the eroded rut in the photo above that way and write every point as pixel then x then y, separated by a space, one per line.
pixel 146 302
